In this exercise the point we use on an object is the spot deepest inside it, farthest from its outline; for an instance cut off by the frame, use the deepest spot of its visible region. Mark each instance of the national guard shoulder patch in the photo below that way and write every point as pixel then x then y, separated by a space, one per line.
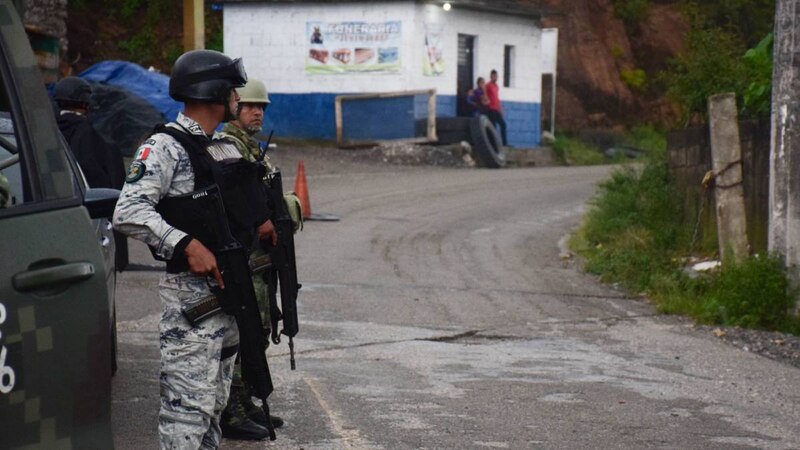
pixel 136 172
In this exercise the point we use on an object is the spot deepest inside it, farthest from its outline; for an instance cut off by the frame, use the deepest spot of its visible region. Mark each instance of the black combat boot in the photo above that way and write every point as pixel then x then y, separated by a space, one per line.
pixel 236 424
pixel 255 413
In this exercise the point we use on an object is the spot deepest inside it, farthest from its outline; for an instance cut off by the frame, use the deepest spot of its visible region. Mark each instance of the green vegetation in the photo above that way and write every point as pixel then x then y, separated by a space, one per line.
pixel 710 65
pixel 214 29
pixel 153 38
pixel 140 47
pixel 647 138
pixel 574 152
pixel 146 46
pixel 631 12
pixel 758 69
pixel 637 234
pixel 750 20
pixel 716 62
pixel 716 57
pixel 635 79
pixel 130 7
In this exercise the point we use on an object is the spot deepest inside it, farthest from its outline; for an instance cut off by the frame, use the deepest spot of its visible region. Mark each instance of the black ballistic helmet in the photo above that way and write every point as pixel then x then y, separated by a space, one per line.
pixel 73 91
pixel 206 76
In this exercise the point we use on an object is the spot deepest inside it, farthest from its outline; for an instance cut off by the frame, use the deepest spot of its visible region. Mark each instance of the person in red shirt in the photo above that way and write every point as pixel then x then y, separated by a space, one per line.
pixel 495 110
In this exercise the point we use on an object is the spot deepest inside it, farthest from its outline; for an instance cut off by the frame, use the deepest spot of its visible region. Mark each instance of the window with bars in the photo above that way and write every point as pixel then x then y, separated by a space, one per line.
pixel 508 66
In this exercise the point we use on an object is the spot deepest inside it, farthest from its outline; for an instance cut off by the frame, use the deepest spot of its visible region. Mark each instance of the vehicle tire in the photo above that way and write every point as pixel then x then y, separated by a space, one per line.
pixel 487 145
pixel 114 343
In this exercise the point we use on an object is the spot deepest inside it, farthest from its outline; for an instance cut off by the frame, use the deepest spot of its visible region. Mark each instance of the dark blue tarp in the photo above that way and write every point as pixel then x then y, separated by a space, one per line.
pixel 121 117
pixel 153 87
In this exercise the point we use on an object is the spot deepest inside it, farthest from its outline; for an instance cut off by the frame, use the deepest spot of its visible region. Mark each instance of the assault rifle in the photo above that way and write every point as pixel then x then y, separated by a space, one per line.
pixel 238 298
pixel 283 272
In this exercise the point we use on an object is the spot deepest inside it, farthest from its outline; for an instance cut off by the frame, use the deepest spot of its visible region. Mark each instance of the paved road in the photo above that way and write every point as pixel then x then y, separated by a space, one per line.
pixel 438 314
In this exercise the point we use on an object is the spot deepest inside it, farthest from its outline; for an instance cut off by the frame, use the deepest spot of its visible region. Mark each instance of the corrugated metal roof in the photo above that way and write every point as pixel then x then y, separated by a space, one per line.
pixel 524 8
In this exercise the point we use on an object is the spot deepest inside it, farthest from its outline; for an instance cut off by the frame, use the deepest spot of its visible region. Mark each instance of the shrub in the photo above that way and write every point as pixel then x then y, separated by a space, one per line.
pixel 635 234
pixel 757 95
pixel 753 294
pixel 140 47
pixel 749 19
pixel 635 79
pixel 647 138
pixel 710 65
pixel 631 12
pixel 575 152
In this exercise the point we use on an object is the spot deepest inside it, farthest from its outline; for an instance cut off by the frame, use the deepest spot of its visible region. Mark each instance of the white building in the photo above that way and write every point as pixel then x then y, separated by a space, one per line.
pixel 308 52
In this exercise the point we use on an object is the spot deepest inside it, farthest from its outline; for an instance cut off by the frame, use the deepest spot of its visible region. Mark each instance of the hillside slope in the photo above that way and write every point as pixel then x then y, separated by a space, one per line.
pixel 596 51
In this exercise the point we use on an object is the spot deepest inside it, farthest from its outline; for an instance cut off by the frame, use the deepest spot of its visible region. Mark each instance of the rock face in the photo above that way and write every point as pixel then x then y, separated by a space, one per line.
pixel 46 17
pixel 595 49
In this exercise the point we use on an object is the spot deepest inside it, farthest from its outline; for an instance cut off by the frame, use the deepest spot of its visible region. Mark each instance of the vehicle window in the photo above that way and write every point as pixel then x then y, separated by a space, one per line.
pixel 12 192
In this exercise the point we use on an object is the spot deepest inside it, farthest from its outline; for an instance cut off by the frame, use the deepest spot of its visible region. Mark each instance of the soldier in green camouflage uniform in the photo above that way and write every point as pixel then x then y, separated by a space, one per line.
pixel 253 102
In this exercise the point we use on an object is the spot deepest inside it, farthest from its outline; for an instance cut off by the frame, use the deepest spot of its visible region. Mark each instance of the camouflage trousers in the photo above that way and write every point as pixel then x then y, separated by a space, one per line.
pixel 260 287
pixel 196 367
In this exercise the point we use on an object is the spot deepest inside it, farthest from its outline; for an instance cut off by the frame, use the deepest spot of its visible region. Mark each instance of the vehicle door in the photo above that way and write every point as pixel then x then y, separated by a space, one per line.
pixel 55 350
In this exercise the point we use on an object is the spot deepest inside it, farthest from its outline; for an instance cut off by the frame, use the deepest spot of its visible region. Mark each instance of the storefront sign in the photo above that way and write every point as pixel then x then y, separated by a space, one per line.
pixel 433 61
pixel 342 47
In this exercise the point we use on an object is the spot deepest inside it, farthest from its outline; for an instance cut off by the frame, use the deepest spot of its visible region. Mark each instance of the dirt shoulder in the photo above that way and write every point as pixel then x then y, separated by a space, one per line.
pixel 780 347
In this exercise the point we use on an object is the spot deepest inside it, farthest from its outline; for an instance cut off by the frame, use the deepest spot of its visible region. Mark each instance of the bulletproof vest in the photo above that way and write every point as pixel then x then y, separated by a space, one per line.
pixel 239 183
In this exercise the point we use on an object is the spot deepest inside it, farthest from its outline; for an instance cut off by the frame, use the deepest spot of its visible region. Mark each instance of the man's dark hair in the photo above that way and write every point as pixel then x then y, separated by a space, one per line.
pixel 493 72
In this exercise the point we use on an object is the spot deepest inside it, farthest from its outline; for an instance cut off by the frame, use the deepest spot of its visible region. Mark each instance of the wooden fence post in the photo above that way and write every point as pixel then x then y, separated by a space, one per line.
pixel 726 158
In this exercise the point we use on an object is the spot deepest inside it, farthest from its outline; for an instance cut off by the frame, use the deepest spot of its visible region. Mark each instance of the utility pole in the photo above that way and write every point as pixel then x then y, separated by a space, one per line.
pixel 193 25
pixel 784 184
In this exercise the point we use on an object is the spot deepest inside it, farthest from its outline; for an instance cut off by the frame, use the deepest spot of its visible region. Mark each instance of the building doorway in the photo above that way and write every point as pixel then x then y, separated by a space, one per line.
pixel 466 75
pixel 548 103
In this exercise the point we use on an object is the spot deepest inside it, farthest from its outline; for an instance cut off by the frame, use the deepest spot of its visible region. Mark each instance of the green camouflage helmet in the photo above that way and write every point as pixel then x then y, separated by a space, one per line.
pixel 253 91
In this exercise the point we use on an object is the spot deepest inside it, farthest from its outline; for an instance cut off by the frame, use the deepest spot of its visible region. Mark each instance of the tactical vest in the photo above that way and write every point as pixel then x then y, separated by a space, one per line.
pixel 242 195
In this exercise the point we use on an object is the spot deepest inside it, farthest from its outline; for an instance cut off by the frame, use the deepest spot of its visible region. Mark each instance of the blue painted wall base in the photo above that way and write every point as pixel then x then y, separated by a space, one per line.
pixel 312 116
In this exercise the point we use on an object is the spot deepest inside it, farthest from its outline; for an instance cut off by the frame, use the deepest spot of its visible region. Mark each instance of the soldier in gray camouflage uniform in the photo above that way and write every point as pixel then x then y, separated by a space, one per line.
pixel 196 362
pixel 241 411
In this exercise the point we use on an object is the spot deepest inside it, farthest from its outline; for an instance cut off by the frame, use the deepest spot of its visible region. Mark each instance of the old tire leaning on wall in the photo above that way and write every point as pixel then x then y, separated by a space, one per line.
pixel 487 145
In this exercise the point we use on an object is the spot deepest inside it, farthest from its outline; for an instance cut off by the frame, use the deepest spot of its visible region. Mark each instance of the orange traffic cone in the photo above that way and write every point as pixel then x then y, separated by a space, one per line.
pixel 301 190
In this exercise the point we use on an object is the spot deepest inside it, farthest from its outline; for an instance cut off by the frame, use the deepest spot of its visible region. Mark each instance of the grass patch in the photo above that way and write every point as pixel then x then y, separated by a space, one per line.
pixel 574 152
pixel 636 234
pixel 647 138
